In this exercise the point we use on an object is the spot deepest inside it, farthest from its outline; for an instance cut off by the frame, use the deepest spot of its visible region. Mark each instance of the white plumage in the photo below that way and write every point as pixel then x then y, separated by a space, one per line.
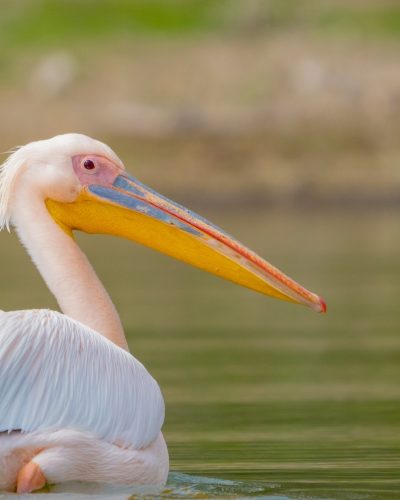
pixel 56 373
pixel 74 404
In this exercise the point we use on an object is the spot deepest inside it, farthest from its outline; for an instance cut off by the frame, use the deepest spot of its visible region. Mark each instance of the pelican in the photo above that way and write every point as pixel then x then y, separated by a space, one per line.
pixel 74 403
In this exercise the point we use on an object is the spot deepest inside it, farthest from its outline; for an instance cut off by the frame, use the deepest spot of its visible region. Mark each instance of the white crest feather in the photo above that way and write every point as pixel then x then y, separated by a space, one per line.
pixel 8 174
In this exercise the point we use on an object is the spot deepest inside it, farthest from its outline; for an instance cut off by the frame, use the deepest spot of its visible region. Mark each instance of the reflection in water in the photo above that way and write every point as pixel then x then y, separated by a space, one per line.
pixel 179 486
pixel 265 398
pixel 196 487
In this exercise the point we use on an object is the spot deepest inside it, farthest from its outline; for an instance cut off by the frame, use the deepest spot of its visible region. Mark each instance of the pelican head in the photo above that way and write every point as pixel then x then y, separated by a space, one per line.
pixel 85 186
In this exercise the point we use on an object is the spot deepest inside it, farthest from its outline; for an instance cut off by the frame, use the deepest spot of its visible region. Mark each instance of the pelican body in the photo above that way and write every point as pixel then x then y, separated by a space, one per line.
pixel 74 403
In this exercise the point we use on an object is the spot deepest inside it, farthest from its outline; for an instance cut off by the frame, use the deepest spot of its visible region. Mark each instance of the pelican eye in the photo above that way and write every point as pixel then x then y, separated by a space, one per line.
pixel 89 164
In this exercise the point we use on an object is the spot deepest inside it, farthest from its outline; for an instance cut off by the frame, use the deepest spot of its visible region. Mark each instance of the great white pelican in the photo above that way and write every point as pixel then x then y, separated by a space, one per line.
pixel 74 403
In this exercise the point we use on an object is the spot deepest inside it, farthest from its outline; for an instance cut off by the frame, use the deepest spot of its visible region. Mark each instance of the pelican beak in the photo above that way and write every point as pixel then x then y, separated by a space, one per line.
pixel 130 209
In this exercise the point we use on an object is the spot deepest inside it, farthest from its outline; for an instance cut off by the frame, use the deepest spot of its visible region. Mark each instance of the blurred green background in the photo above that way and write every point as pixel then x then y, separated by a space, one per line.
pixel 279 121
pixel 280 102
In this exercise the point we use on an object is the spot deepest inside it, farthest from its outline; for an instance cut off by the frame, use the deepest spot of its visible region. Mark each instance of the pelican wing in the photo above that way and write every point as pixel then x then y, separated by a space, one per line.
pixel 57 373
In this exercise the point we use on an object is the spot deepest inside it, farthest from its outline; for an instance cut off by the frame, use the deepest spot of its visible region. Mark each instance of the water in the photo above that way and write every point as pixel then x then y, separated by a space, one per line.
pixel 264 399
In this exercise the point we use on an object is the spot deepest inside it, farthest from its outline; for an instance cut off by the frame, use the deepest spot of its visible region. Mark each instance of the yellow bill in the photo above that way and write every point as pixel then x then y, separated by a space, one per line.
pixel 129 209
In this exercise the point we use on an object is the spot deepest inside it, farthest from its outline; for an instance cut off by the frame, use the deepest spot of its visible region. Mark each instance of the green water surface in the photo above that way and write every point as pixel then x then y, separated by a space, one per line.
pixel 263 398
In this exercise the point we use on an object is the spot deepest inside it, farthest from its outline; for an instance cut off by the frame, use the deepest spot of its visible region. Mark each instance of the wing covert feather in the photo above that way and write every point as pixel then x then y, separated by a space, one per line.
pixel 56 373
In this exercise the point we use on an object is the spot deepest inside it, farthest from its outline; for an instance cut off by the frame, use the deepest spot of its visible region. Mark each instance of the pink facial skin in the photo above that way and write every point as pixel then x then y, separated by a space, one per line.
pixel 94 169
